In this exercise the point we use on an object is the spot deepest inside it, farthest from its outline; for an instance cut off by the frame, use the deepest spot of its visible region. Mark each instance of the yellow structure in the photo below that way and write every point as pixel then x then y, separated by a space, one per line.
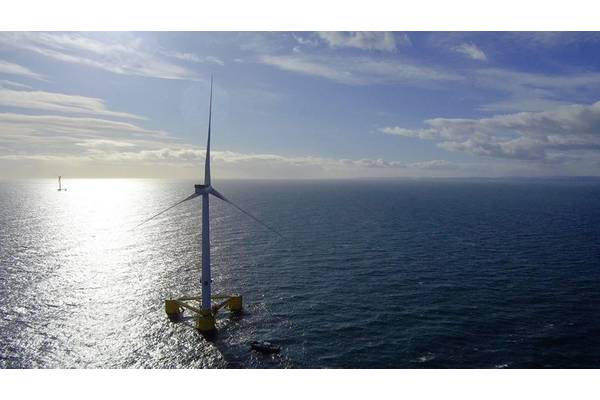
pixel 235 303
pixel 205 320
pixel 206 323
pixel 172 308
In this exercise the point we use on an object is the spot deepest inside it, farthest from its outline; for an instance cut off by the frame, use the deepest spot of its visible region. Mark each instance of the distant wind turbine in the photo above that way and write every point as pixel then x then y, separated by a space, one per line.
pixel 60 188
pixel 175 306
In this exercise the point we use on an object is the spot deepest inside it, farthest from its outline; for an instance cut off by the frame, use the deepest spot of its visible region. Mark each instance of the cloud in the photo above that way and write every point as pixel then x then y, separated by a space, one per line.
pixel 438 165
pixel 35 144
pixel 105 144
pixel 304 41
pixel 503 78
pixel 514 90
pixel 545 39
pixel 519 90
pixel 525 103
pixel 62 135
pixel 358 70
pixel 566 132
pixel 195 155
pixel 4 83
pixel 193 57
pixel 65 103
pixel 374 163
pixel 471 51
pixel 534 91
pixel 310 67
pixel 94 146
pixel 382 41
pixel 15 69
pixel 124 56
pixel 125 156
pixel 517 42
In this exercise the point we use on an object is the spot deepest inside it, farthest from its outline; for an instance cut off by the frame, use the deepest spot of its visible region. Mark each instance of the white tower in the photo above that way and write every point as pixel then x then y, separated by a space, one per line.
pixel 206 279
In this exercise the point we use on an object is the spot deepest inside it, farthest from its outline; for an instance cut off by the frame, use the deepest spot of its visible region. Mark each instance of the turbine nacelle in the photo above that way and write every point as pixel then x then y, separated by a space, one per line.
pixel 202 189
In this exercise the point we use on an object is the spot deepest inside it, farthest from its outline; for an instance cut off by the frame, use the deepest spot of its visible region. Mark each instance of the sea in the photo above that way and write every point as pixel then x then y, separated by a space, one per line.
pixel 412 273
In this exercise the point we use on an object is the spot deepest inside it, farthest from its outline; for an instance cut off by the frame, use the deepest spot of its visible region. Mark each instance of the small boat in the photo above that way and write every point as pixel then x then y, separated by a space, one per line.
pixel 265 347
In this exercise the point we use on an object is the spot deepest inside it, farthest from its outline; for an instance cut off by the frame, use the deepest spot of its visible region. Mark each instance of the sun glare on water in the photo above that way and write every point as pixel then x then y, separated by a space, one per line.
pixel 104 276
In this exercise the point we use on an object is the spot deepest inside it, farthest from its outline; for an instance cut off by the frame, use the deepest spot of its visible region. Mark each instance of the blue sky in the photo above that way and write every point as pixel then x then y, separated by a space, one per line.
pixel 300 105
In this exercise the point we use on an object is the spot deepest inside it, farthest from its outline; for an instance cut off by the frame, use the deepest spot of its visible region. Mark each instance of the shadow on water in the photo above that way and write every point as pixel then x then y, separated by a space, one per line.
pixel 231 340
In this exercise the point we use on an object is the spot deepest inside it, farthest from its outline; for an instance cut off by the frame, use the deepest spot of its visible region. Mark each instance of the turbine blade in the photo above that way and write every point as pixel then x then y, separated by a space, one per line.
pixel 167 209
pixel 226 200
pixel 207 161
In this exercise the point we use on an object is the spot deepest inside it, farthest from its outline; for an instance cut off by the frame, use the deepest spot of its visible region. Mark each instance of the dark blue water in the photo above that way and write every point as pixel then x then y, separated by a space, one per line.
pixel 382 274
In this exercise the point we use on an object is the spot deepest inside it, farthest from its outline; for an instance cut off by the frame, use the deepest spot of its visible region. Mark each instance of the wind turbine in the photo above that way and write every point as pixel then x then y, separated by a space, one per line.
pixel 60 188
pixel 207 311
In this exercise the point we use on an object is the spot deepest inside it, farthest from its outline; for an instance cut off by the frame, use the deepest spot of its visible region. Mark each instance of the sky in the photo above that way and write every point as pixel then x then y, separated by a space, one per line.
pixel 299 104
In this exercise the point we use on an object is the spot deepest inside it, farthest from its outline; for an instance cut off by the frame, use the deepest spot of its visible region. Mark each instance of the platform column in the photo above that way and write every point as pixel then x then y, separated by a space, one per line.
pixel 172 308
pixel 234 303
pixel 206 323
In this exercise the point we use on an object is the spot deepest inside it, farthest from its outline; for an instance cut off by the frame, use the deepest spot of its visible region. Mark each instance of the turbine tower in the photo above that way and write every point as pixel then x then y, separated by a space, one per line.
pixel 207 311
pixel 60 188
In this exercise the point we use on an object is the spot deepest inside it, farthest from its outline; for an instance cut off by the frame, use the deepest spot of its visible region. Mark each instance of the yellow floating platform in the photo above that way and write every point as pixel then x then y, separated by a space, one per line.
pixel 205 320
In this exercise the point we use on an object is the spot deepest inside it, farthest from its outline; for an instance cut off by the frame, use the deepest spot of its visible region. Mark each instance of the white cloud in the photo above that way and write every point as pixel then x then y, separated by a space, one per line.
pixel 534 91
pixel 383 41
pixel 193 57
pixel 502 78
pixel 304 40
pixel 39 100
pixel 525 103
pixel 471 51
pixel 104 144
pixel 195 155
pixel 522 91
pixel 15 69
pixel 438 165
pixel 126 156
pixel 20 133
pixel 124 56
pixel 5 83
pixel 38 144
pixel 93 147
pixel 546 39
pixel 214 60
pixel 310 67
pixel 550 136
pixel 358 70
pixel 98 147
